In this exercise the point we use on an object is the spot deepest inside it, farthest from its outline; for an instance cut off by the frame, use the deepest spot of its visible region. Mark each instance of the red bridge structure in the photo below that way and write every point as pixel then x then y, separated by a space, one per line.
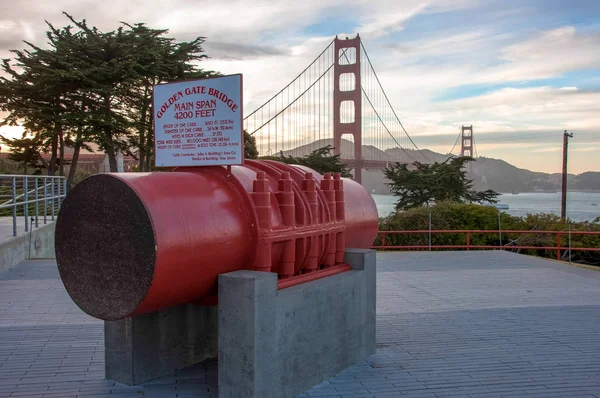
pixel 337 100
pixel 132 243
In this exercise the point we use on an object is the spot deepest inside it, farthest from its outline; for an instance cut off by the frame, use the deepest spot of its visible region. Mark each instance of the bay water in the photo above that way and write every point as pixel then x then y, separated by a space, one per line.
pixel 581 206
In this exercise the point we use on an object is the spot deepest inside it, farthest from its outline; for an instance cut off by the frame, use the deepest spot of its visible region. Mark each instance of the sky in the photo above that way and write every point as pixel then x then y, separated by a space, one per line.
pixel 521 72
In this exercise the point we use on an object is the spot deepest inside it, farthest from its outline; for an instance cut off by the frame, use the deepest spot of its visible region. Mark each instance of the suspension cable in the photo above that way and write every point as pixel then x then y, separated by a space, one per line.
pixel 293 81
pixel 474 144
pixel 389 103
pixel 453 146
pixel 297 98
pixel 377 113
pixel 261 108
pixel 384 126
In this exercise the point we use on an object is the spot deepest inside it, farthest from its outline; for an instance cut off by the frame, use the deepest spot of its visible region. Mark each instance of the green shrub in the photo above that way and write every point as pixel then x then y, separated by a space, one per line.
pixel 462 216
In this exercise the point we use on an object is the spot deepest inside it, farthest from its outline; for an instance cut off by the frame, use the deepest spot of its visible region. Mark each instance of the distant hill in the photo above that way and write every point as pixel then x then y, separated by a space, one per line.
pixel 486 173
pixel 370 152
pixel 587 181
pixel 501 176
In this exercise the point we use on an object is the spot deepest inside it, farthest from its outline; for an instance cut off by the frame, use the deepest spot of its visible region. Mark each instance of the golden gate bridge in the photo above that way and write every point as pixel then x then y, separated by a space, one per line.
pixel 337 100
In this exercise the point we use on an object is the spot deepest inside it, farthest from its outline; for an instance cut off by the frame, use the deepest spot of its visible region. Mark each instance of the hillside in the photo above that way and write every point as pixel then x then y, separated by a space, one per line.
pixel 486 173
pixel 501 176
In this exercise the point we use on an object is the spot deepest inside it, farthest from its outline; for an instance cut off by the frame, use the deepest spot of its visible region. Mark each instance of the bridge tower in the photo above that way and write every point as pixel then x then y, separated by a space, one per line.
pixel 466 145
pixel 347 99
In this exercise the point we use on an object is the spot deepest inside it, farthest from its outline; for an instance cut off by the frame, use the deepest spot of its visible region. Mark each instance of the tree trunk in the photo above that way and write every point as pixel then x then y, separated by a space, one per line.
pixel 149 147
pixel 143 117
pixel 42 161
pixel 112 159
pixel 54 149
pixel 73 168
pixel 148 163
pixel 61 160
pixel 110 148
pixel 142 150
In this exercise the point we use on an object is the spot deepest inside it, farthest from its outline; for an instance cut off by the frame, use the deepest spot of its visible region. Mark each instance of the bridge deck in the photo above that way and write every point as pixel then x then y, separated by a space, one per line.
pixel 460 324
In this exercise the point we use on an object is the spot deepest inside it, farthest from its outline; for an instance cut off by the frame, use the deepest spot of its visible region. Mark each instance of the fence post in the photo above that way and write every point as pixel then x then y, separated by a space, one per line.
pixel 25 201
pixel 429 231
pixel 382 241
pixel 468 240
pixel 558 235
pixel 53 178
pixel 45 199
pixel 37 196
pixel 500 230
pixel 14 200
pixel 59 183
pixel 31 228
pixel 569 243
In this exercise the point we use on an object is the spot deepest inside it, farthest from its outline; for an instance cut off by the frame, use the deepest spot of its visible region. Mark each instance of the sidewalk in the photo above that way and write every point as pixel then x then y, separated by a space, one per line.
pixel 450 324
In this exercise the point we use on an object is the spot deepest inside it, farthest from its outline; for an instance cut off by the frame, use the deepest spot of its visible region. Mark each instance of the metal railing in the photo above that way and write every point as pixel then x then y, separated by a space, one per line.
pixel 31 195
pixel 468 246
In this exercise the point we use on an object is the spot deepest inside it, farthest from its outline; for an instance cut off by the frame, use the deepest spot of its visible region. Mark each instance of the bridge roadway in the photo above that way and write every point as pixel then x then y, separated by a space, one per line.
pixel 450 324
pixel 367 164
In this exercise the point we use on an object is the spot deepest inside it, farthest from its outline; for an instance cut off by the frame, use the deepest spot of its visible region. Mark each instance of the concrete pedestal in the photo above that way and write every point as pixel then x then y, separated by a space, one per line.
pixel 145 347
pixel 270 343
pixel 281 343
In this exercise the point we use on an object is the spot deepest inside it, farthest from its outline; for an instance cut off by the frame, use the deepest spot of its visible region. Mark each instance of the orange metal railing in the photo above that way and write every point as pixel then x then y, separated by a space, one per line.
pixel 469 246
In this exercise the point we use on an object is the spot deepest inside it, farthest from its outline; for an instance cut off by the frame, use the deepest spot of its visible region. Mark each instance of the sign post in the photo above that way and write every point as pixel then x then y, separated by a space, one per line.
pixel 199 122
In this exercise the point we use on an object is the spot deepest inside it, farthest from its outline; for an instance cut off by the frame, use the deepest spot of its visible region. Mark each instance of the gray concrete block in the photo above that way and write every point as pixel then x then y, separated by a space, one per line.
pixel 40 245
pixel 145 347
pixel 365 260
pixel 280 343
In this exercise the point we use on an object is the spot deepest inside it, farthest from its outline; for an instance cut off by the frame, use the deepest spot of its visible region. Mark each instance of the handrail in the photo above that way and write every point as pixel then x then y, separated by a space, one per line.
pixel 468 246
pixel 51 190
pixel 29 176
pixel 20 196
pixel 483 231
pixel 11 205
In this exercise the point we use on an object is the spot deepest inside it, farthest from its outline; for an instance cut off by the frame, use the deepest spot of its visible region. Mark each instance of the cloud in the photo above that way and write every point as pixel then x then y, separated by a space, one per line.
pixel 548 54
pixel 389 19
pixel 12 33
pixel 590 149
pixel 429 67
pixel 537 107
pixel 421 49
pixel 454 43
pixel 222 22
pixel 550 149
pixel 238 51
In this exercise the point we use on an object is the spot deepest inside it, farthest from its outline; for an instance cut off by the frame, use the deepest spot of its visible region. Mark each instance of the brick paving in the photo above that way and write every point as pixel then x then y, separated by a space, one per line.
pixel 454 324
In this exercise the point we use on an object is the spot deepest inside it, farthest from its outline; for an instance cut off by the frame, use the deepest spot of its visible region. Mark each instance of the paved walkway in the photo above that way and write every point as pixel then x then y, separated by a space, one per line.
pixel 458 324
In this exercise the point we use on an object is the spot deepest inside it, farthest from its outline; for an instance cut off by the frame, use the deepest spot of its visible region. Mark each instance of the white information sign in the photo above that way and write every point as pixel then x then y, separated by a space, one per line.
pixel 199 123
